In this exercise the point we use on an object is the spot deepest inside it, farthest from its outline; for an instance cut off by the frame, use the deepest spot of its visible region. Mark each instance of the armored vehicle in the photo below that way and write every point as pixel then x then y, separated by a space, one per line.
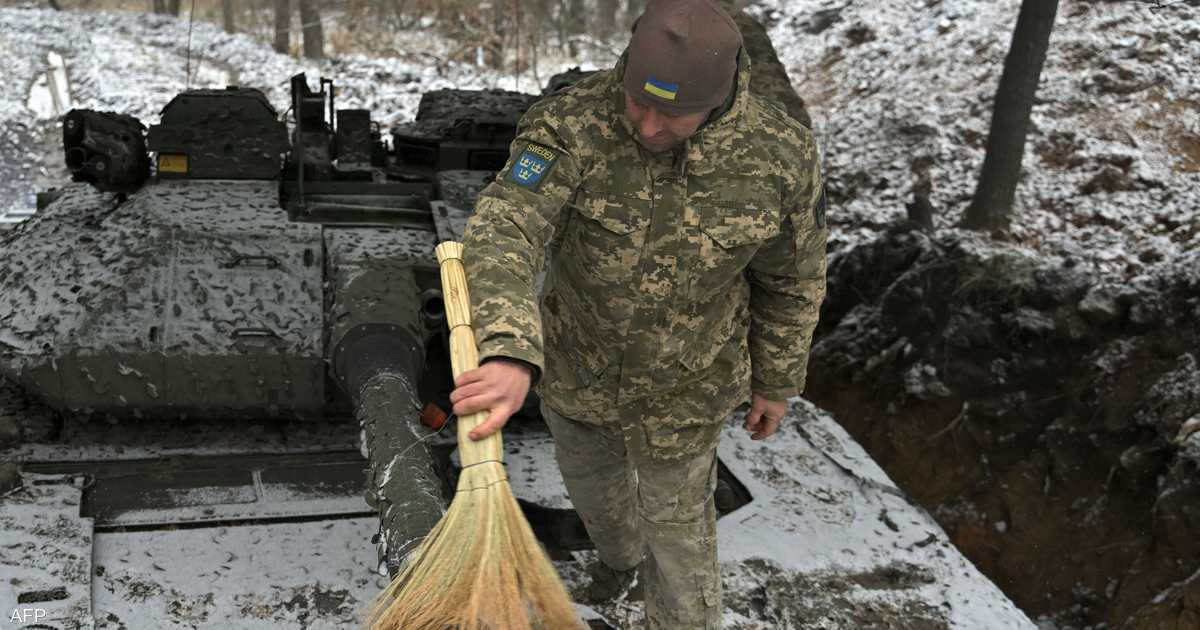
pixel 253 274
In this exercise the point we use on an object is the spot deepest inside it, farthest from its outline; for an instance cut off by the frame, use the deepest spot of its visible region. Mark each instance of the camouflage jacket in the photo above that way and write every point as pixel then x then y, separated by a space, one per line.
pixel 676 283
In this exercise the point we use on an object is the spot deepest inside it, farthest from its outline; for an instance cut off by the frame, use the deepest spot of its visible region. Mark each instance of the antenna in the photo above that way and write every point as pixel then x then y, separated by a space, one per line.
pixel 187 79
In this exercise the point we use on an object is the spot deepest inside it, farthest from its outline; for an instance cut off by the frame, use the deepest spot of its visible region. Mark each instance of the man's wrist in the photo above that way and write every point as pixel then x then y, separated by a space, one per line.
pixel 776 393
pixel 530 369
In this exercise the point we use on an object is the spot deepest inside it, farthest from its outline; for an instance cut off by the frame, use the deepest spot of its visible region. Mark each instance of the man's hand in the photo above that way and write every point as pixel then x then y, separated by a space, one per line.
pixel 763 418
pixel 498 385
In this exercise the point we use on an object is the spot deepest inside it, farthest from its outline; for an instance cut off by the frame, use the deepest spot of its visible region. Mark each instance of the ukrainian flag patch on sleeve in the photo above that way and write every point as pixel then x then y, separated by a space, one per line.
pixel 661 89
pixel 532 166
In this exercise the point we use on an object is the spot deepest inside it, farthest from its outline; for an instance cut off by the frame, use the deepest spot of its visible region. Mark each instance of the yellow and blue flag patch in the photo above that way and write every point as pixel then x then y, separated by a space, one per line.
pixel 532 166
pixel 661 89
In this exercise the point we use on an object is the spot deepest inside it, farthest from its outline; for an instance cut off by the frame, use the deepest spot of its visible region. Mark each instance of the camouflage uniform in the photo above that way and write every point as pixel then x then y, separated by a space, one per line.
pixel 677 283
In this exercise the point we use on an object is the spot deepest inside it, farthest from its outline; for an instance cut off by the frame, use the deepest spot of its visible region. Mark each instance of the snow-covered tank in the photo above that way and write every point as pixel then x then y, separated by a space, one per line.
pixel 252 272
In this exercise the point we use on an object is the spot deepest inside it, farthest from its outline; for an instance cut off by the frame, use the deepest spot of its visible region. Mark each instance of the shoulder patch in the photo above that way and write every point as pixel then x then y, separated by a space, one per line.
pixel 533 165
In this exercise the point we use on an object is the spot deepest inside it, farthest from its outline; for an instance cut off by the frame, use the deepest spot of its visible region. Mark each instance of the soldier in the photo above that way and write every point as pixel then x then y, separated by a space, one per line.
pixel 683 218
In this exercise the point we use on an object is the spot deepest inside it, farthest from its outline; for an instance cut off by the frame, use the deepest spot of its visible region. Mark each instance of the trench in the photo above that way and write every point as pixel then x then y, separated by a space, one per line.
pixel 1042 422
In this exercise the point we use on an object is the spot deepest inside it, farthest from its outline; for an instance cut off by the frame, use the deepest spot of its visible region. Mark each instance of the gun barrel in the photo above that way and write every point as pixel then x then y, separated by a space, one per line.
pixel 377 354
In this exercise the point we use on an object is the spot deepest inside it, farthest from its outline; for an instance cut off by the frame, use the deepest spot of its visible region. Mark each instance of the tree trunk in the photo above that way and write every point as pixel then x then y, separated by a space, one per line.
pixel 494 52
pixel 227 14
pixel 992 205
pixel 310 24
pixel 283 26
pixel 576 23
pixel 606 17
pixel 173 7
pixel 160 6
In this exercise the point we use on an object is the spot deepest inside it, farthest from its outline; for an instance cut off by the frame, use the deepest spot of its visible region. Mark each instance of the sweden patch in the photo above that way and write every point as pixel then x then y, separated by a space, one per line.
pixel 532 167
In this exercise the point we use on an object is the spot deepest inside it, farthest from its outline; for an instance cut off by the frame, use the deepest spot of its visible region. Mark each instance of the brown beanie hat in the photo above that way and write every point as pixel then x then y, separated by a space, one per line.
pixel 683 56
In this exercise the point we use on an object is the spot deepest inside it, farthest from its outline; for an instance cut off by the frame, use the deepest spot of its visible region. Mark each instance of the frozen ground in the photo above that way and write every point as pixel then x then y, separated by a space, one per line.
pixel 903 90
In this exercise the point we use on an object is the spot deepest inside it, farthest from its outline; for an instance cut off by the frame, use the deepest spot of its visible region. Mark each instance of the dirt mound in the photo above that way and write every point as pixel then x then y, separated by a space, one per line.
pixel 1044 419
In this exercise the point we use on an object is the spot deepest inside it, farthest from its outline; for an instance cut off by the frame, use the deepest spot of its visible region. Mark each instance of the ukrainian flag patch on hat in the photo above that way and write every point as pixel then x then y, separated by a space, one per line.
pixel 661 89
pixel 532 166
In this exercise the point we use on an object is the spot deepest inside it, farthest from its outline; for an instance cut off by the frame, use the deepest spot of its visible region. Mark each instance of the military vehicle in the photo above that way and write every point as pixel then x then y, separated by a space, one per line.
pixel 256 273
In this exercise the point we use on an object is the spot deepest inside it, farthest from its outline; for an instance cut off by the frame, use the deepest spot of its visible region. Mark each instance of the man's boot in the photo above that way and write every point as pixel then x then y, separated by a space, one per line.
pixel 607 583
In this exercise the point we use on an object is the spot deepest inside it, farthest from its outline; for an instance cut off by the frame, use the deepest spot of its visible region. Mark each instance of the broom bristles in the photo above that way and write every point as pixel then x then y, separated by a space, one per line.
pixel 481 568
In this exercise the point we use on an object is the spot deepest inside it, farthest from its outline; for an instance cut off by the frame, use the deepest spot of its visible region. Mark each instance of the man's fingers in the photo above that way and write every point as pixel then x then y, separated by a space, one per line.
pixel 495 420
pixel 470 376
pixel 466 391
pixel 770 426
pixel 479 402
pixel 753 417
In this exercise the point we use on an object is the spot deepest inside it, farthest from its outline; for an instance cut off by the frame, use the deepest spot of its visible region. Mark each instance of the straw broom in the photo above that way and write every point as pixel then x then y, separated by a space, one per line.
pixel 481 568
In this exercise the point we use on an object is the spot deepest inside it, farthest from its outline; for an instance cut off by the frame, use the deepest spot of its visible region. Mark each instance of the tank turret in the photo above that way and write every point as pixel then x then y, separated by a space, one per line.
pixel 219 134
pixel 249 272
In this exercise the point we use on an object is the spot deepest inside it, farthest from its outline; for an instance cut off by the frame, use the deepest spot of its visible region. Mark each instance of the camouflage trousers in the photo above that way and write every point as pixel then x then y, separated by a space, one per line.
pixel 658 516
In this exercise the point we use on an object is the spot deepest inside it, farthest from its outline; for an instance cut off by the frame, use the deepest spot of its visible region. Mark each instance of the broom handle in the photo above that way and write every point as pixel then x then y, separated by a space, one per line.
pixel 463 354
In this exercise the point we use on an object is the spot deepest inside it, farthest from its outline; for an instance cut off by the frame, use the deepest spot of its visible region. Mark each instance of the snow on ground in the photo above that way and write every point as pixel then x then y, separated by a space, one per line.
pixel 1112 163
pixel 1111 167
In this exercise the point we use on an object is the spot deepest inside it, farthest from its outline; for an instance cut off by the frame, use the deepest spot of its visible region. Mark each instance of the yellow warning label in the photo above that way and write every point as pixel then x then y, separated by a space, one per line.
pixel 172 163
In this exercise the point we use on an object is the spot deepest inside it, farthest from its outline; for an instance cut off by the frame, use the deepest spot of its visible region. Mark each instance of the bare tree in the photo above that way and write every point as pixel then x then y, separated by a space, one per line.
pixel 606 17
pixel 173 7
pixel 310 24
pixel 227 14
pixel 576 23
pixel 494 45
pixel 283 26
pixel 159 6
pixel 991 207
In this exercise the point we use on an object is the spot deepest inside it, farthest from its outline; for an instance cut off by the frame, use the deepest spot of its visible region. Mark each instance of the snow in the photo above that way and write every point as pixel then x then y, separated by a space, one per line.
pixel 1119 87
pixel 47 548
pixel 316 574
pixel 1110 184
pixel 1119 91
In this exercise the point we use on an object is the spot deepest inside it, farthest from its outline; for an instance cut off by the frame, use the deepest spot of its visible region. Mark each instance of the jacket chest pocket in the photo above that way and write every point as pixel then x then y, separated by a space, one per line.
pixel 726 241
pixel 606 239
